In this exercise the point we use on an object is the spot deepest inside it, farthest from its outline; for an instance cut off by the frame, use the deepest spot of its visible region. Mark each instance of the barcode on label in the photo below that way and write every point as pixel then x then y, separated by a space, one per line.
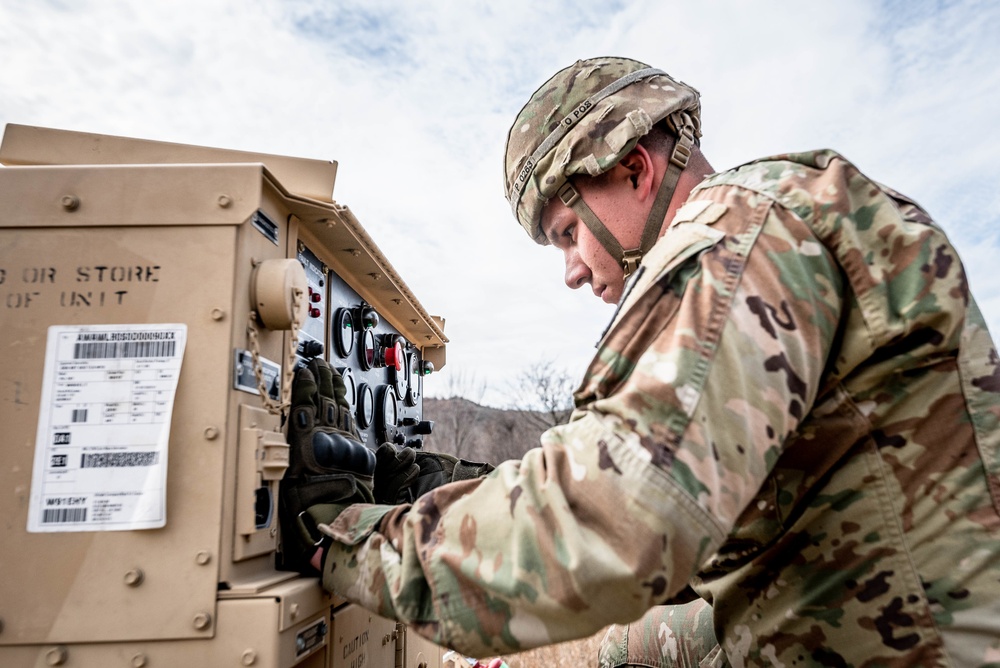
pixel 79 415
pixel 62 515
pixel 123 349
pixel 101 460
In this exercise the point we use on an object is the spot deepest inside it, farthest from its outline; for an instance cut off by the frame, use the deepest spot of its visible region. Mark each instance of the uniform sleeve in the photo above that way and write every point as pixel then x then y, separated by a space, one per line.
pixel 715 357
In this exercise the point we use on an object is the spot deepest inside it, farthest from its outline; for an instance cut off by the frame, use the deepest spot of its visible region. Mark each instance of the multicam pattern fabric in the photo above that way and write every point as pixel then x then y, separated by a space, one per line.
pixel 666 636
pixel 794 414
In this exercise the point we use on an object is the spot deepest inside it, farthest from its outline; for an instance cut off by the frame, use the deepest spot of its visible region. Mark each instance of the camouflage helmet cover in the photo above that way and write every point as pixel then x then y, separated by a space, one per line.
pixel 583 120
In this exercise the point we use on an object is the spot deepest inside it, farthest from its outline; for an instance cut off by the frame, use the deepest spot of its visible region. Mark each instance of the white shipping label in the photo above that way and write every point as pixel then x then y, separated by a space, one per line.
pixel 103 427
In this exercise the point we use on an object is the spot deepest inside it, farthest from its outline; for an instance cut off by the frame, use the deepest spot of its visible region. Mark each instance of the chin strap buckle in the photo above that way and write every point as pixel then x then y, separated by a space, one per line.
pixel 630 261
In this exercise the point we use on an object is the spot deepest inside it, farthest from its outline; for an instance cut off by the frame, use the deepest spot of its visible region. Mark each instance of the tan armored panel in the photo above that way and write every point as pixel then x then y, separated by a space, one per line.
pixel 140 266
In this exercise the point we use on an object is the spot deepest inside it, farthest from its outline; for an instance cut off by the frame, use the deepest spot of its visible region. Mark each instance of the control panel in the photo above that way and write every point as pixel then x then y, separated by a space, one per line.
pixel 383 371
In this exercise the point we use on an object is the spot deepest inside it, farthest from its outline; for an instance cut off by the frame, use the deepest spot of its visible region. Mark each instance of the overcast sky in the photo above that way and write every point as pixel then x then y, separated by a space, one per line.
pixel 414 99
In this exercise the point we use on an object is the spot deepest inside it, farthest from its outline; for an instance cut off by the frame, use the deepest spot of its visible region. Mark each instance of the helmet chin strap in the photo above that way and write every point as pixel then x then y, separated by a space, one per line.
pixel 629 259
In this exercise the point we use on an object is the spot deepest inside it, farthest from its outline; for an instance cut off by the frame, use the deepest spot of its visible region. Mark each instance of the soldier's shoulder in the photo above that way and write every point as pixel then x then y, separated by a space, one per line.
pixel 777 171
pixel 797 181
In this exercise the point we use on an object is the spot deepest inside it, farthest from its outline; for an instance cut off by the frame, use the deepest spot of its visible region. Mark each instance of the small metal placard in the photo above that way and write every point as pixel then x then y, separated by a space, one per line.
pixel 245 380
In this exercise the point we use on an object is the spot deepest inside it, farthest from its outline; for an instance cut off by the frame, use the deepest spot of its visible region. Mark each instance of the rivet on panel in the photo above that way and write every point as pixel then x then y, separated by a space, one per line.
pixel 211 433
pixel 139 661
pixel 249 657
pixel 225 201
pixel 397 302
pixel 202 620
pixel 56 656
pixel 218 314
pixel 70 202
pixel 203 558
pixel 375 276
pixel 134 577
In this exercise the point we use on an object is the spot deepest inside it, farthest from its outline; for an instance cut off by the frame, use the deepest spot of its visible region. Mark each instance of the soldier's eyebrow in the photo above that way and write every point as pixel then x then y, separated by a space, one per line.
pixel 552 236
pixel 550 233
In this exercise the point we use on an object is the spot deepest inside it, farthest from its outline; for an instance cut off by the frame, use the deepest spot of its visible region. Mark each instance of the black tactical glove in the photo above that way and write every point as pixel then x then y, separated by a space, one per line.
pixel 328 466
pixel 403 474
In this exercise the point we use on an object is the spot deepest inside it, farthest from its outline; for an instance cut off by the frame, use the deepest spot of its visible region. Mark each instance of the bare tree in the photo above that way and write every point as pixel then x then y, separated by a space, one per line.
pixel 543 393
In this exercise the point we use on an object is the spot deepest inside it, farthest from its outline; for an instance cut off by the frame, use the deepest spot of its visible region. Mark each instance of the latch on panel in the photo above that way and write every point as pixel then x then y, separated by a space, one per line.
pixel 273 455
pixel 261 461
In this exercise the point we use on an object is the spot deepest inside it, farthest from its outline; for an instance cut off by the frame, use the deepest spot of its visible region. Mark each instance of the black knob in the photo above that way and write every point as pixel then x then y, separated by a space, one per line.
pixel 310 348
pixel 424 427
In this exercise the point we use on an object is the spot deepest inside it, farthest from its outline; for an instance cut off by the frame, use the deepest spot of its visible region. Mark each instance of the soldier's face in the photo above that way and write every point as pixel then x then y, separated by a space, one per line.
pixel 587 261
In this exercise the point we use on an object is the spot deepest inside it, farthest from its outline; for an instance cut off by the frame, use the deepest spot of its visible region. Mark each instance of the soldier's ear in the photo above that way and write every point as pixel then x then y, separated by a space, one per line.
pixel 638 168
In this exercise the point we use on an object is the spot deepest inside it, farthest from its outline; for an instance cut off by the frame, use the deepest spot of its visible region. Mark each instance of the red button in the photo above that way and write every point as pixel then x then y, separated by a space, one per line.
pixel 394 356
pixel 315 313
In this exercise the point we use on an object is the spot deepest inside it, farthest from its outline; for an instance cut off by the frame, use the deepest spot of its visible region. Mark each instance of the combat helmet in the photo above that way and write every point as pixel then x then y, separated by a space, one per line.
pixel 583 121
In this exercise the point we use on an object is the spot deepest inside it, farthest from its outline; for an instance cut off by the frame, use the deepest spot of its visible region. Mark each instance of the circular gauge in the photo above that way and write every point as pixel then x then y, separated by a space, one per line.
pixel 388 416
pixel 343 331
pixel 351 384
pixel 399 375
pixel 367 350
pixel 412 379
pixel 400 381
pixel 366 406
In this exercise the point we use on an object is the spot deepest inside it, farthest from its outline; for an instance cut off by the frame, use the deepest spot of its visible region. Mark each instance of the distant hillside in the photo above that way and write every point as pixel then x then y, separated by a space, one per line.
pixel 481 433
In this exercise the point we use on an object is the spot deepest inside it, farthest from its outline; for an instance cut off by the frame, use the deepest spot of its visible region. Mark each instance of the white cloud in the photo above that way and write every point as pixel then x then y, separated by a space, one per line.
pixel 414 101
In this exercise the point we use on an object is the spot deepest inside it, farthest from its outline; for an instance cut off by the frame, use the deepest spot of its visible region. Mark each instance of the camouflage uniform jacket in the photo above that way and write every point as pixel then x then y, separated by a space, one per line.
pixel 794 413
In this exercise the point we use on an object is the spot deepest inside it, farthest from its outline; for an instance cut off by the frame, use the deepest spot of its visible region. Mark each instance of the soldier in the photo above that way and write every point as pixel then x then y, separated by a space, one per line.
pixel 792 415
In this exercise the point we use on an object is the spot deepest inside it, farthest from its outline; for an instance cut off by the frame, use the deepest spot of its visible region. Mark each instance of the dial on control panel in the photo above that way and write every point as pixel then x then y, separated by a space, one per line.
pixel 366 406
pixel 342 331
pixel 366 352
pixel 351 385
pixel 388 416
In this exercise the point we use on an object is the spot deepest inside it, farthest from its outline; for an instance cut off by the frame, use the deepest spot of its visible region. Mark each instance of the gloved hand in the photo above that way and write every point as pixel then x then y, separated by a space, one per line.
pixel 403 474
pixel 329 467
